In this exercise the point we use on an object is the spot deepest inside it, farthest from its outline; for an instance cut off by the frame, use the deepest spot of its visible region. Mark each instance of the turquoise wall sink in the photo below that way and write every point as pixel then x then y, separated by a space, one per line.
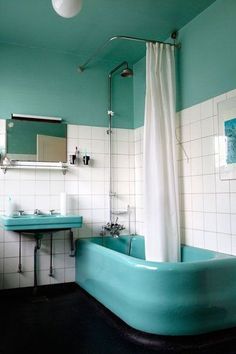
pixel 40 222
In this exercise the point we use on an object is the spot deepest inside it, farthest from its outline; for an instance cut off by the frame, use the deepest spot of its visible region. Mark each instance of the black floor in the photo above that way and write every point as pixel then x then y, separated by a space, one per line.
pixel 65 319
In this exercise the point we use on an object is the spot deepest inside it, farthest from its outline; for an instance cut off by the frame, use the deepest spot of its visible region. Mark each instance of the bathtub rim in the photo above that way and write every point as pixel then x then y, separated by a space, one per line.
pixel 219 260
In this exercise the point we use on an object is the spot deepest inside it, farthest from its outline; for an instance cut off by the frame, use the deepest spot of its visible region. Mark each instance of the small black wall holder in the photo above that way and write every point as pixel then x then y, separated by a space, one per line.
pixel 86 159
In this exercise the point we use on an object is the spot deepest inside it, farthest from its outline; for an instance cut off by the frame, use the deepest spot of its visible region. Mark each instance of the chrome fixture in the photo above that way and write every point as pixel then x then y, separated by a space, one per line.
pixel 20 212
pixel 52 211
pixel 113 228
pixel 37 212
pixel 67 8
pixel 126 72
pixel 82 67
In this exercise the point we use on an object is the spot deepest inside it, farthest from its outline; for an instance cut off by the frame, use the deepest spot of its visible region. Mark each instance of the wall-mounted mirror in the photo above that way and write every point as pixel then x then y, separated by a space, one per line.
pixel 36 141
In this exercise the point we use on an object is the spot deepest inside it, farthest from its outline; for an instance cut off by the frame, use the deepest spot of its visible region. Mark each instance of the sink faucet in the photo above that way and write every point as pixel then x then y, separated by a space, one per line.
pixel 37 212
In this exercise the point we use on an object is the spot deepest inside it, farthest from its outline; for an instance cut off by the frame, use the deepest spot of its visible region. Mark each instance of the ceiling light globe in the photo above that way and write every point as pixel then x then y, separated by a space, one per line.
pixel 67 8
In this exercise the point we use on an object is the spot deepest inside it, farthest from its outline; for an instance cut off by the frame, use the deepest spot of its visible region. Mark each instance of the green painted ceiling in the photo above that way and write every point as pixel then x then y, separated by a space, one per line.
pixel 34 23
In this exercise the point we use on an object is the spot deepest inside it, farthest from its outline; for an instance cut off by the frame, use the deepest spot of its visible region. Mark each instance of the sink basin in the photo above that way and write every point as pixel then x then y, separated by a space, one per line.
pixel 40 222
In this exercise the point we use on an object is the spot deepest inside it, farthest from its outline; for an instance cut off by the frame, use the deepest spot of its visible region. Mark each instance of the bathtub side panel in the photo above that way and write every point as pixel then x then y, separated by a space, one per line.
pixel 184 300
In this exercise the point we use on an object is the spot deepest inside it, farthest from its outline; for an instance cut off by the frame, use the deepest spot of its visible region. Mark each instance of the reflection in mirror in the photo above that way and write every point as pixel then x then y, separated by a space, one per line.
pixel 36 141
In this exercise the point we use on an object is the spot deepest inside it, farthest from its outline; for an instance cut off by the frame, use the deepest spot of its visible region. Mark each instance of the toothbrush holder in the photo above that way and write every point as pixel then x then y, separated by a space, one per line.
pixel 86 159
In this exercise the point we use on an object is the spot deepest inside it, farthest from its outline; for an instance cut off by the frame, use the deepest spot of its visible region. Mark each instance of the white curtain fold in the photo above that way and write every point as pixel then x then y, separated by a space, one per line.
pixel 161 201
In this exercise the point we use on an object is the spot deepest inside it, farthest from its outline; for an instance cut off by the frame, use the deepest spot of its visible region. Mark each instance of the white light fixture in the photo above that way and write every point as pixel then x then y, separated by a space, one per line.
pixel 67 8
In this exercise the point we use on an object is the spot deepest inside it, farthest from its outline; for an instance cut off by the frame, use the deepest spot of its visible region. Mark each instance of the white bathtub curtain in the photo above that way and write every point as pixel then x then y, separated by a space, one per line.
pixel 161 204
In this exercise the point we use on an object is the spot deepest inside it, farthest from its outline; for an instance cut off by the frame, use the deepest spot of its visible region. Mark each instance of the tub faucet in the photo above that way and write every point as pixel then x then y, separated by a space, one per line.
pixel 114 228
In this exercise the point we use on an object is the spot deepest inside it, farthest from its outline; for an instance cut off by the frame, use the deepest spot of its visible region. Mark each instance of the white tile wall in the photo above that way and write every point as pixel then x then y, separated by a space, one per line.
pixel 87 187
pixel 208 205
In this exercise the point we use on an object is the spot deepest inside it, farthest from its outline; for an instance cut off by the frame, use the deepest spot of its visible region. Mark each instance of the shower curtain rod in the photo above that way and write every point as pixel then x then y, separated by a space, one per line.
pixel 135 39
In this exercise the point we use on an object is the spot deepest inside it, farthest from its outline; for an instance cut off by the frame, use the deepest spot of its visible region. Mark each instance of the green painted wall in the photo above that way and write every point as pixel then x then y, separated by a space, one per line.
pixel 42 82
pixel 206 63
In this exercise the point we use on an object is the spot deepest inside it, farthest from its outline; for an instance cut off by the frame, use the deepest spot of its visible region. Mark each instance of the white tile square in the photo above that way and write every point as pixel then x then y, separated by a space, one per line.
pixel 197 202
pixel 98 133
pixel 209 185
pixel 197 218
pixel 233 203
pixel 56 187
pixel 195 130
pixel 223 223
pixel 72 131
pixel 184 133
pixel 207 127
pixel 210 203
pixel 97 188
pixel 2 126
pixel 185 185
pixel 207 109
pixel 98 146
pixel 11 281
pixel 197 184
pixel 196 148
pixel 185 116
pixel 184 149
pixel 232 185
pixel 210 222
pixel 11 249
pixel 69 275
pixel 71 187
pixel 26 279
pixel 216 100
pixel 221 186
pixel 196 166
pixel 122 134
pixel 198 238
pixel 42 188
pixel 210 239
pixel 194 112
pixel 233 239
pixel 233 224
pixel 27 188
pixel 123 148
pixel 224 243
pixel 85 132
pixel 11 265
pixel 209 145
pixel 223 203
pixel 208 164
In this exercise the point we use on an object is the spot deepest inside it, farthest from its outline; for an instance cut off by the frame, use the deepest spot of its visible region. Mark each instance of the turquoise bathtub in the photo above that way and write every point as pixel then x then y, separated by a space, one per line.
pixel 197 295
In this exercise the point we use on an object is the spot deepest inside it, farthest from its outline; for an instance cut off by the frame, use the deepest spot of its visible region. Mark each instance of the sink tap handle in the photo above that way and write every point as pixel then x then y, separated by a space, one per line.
pixel 20 212
pixel 51 211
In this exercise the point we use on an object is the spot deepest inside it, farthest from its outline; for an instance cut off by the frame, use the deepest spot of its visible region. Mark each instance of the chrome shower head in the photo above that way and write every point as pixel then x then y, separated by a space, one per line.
pixel 127 72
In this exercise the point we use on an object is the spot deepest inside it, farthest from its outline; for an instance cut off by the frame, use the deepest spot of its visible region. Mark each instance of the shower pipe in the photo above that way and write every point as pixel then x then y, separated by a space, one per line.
pixel 125 73
pixel 82 67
